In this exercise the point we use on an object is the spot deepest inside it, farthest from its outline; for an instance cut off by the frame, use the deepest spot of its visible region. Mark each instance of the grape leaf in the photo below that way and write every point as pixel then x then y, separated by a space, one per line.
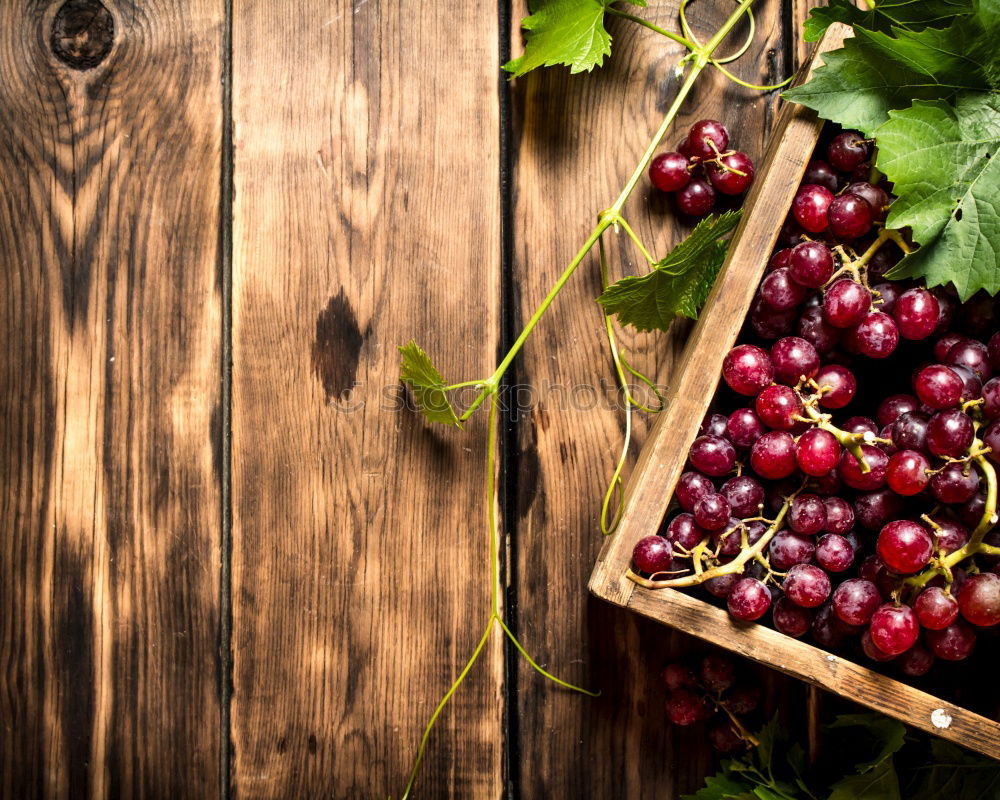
pixel 943 161
pixel 873 72
pixel 427 385
pixel 954 772
pixel 911 14
pixel 569 32
pixel 722 787
pixel 678 284
pixel 880 783
pixel 888 735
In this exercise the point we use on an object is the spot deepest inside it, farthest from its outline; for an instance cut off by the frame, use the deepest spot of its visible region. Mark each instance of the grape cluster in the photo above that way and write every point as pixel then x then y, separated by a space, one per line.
pixel 845 480
pixel 711 690
pixel 701 168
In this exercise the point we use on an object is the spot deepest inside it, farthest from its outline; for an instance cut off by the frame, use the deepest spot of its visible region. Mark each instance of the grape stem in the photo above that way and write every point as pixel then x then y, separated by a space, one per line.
pixel 729 568
pixel 849 441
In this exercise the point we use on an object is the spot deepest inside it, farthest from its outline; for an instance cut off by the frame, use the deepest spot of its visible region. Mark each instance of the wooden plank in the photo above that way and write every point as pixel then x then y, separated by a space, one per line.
pixel 577 138
pixel 820 668
pixel 109 398
pixel 366 212
pixel 698 372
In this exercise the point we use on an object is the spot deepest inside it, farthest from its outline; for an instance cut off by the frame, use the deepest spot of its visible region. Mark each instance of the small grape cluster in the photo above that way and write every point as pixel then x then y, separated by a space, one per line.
pixel 702 168
pixel 709 690
pixel 879 526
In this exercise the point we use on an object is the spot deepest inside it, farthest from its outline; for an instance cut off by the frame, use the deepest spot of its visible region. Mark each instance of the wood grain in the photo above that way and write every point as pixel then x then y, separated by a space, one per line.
pixel 576 139
pixel 367 212
pixel 109 398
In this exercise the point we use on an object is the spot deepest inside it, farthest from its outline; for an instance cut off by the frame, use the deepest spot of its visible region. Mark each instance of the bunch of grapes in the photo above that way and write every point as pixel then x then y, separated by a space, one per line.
pixel 709 690
pixel 701 168
pixel 845 481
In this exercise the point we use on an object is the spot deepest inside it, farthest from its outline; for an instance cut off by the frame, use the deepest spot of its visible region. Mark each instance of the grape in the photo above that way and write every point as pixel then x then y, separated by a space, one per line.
pixel 991 438
pixel 871 649
pixel 817 452
pixel 684 707
pixel 743 699
pixel 810 207
pixel 652 554
pixel 714 424
pixel 668 172
pixel 888 293
pixel 954 643
pixel 938 386
pixel 745 495
pixel 769 323
pixel 703 135
pixel 916 661
pixel 817 331
pixel 955 483
pixel 846 303
pixel 717 673
pixel 721 585
pixel 909 431
pixel 748 600
pixel 993 350
pixel 877 335
pixel 906 472
pixel 945 343
pixel 949 433
pixel 970 354
pixel 979 599
pixel 894 628
pixel 991 398
pixel 726 179
pixel 972 384
pixel 811 264
pixel 790 618
pixel 971 512
pixel 826 485
pixel 712 512
pixel 885 258
pixel 794 358
pixel 747 369
pixel 890 409
pixel 904 546
pixel 696 199
pixel 874 509
pixel 839 515
pixel 678 676
pixel 744 427
pixel 773 455
pixel 860 424
pixel 847 151
pixel 916 313
pixel 691 487
pixel 950 535
pixel 725 738
pixel 788 549
pixel 850 470
pixel 839 385
pixel 821 174
pixel 712 455
pixel 936 609
pixel 825 628
pixel 780 259
pixel 684 531
pixel 834 553
pixel 850 216
pixel 947 306
pixel 855 600
pixel 807 515
pixel 874 195
pixel 779 291
pixel 778 407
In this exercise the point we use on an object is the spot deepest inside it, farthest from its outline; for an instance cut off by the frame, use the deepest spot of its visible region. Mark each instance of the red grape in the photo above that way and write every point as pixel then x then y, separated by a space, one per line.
pixel 935 608
pixel 894 628
pixel 652 554
pixel 817 452
pixel 810 207
pixel 979 599
pixel 747 369
pixel 749 599
pixel 669 172
pixel 904 546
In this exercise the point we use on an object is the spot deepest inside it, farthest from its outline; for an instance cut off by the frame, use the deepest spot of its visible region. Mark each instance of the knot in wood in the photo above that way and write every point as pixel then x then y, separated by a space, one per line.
pixel 83 32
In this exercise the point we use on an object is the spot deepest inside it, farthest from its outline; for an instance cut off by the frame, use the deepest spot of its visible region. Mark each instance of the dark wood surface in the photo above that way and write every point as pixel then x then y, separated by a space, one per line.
pixel 231 563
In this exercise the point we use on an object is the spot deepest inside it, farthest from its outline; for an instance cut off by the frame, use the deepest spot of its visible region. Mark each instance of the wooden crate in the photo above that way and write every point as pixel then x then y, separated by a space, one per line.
pixel 663 456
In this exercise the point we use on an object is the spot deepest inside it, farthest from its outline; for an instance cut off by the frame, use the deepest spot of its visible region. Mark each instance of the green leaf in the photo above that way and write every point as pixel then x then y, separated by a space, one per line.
pixel 569 32
pixel 943 161
pixel 955 773
pixel 722 787
pixel 874 72
pixel 888 735
pixel 679 284
pixel 880 783
pixel 427 385
pixel 910 14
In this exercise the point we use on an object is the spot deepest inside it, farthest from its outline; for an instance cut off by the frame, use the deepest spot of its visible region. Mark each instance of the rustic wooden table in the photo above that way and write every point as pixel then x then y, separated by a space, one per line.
pixel 230 564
